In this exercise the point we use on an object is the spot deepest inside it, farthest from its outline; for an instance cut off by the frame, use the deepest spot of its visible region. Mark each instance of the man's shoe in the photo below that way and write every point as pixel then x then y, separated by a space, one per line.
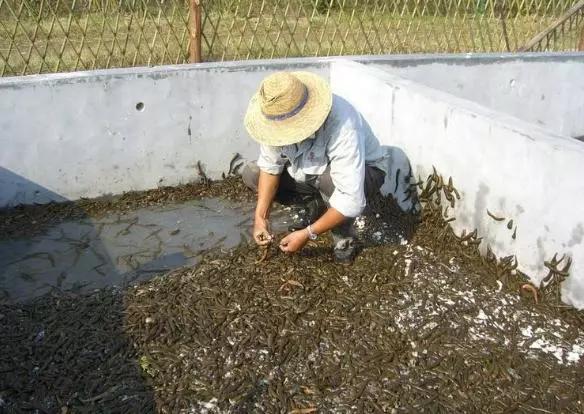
pixel 307 213
pixel 345 250
pixel 345 243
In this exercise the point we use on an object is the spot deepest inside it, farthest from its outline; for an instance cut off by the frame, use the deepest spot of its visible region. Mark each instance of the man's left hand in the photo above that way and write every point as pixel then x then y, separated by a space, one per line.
pixel 294 241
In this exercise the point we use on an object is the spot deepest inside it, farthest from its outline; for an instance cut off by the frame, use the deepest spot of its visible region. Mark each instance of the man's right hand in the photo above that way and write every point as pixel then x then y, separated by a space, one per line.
pixel 261 231
pixel 267 187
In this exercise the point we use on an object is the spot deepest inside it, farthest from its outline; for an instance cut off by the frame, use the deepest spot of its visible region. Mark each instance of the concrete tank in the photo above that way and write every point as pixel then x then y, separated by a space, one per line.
pixel 503 126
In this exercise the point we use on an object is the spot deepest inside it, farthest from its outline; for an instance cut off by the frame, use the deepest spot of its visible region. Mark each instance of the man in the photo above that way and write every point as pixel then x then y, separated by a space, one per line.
pixel 314 150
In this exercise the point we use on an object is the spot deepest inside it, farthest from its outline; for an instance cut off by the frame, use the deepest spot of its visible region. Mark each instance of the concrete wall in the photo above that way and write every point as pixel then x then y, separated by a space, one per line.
pixel 498 162
pixel 81 135
pixel 74 135
pixel 547 90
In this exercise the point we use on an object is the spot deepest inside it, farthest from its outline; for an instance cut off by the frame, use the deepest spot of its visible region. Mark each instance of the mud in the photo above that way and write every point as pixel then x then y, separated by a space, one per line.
pixel 116 249
pixel 29 220
pixel 420 324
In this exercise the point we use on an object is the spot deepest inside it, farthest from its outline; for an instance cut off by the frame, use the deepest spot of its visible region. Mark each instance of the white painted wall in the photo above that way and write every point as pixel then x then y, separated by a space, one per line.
pixel 546 92
pixel 498 162
pixel 80 135
pixel 74 135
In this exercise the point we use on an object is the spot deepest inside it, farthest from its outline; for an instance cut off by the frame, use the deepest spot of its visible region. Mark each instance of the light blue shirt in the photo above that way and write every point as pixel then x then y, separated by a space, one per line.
pixel 345 144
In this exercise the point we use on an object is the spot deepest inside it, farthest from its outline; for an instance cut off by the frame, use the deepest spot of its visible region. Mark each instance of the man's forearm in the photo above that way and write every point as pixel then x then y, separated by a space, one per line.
pixel 267 187
pixel 328 221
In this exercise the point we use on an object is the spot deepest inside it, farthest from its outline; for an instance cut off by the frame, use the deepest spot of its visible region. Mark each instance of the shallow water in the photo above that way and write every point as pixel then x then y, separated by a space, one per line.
pixel 82 255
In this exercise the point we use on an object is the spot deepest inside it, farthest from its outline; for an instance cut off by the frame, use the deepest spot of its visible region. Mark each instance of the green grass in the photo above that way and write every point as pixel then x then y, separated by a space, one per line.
pixel 105 40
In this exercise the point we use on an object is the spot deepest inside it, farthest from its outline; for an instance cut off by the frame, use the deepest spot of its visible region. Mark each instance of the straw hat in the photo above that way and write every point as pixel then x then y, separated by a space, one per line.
pixel 288 108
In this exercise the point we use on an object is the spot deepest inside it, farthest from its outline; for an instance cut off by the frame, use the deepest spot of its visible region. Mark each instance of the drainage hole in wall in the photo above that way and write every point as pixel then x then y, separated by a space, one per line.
pixel 140 106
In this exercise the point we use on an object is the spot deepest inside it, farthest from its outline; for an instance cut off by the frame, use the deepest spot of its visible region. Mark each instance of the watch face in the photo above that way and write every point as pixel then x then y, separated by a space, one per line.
pixel 311 235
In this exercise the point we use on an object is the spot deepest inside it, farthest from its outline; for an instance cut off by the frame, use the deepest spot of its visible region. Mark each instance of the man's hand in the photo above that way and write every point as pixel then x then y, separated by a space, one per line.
pixel 294 241
pixel 267 186
pixel 261 231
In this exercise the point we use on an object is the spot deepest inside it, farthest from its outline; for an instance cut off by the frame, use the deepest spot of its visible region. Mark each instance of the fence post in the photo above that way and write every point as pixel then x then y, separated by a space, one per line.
pixel 195 31
pixel 501 10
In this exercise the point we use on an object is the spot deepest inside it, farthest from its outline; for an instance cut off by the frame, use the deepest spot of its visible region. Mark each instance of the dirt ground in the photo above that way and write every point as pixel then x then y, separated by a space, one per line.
pixel 423 324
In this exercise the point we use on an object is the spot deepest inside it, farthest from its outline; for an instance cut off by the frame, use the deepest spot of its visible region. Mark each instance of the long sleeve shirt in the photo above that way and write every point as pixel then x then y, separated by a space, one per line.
pixel 345 143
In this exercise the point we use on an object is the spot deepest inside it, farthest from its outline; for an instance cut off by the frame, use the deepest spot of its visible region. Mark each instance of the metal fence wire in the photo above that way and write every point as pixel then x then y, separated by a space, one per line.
pixel 40 36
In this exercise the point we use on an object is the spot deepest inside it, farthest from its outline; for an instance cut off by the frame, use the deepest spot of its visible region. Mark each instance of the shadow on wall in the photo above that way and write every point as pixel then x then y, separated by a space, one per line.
pixel 16 190
pixel 65 351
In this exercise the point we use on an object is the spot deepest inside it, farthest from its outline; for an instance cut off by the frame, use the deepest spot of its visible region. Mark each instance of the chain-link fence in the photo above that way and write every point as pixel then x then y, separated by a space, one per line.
pixel 38 36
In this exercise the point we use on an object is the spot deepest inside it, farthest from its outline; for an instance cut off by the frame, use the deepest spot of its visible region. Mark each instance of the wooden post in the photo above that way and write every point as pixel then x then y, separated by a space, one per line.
pixel 501 10
pixel 195 31
pixel 581 44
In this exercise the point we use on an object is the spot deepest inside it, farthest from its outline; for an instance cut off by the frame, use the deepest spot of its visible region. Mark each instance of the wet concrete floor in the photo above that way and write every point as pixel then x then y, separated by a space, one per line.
pixel 87 254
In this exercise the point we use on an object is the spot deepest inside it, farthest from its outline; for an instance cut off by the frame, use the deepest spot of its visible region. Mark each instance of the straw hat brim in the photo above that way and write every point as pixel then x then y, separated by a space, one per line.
pixel 298 127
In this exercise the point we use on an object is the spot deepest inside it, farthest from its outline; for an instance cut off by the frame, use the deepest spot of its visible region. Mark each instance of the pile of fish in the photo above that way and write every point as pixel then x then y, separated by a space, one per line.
pixel 421 325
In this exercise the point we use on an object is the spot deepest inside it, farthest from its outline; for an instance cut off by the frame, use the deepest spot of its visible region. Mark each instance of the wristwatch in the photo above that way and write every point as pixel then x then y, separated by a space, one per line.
pixel 311 234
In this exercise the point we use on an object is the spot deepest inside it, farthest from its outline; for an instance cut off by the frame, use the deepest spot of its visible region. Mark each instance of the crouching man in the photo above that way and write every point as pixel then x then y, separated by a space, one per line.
pixel 314 151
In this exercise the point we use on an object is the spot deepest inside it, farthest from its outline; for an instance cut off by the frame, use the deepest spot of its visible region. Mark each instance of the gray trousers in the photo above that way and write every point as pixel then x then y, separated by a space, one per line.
pixel 291 192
